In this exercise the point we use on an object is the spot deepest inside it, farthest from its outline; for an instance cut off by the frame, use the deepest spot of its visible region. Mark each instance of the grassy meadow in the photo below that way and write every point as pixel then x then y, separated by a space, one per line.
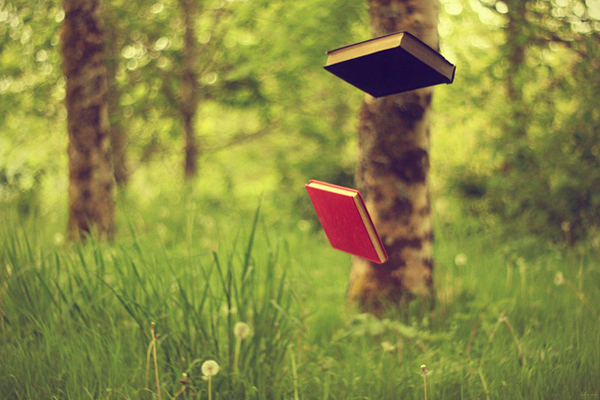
pixel 514 319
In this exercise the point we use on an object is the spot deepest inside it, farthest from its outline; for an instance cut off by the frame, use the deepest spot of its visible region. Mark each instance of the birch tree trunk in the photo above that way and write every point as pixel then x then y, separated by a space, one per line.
pixel 392 173
pixel 91 180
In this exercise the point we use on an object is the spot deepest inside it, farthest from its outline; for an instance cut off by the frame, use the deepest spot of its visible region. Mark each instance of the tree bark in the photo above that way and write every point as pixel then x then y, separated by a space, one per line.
pixel 189 88
pixel 91 181
pixel 393 173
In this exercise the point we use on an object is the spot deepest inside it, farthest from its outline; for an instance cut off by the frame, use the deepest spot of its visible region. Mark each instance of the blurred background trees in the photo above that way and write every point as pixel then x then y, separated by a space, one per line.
pixel 515 137
pixel 538 154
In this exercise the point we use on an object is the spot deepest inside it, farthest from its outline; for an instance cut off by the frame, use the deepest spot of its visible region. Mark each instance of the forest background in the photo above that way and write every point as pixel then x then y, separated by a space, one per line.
pixel 264 100
pixel 528 159
pixel 515 150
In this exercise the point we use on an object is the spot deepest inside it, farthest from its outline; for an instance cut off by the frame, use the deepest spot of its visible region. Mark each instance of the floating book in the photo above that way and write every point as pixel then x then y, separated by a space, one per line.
pixel 390 64
pixel 345 220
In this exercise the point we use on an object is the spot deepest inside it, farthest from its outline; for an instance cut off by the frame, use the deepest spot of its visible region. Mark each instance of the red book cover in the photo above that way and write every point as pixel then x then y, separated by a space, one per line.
pixel 346 221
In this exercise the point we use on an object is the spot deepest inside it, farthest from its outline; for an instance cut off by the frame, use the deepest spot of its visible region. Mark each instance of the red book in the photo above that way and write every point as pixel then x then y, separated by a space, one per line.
pixel 346 221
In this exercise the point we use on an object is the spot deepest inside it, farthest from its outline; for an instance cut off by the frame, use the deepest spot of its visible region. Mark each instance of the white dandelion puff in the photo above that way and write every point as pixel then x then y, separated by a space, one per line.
pixel 241 330
pixel 210 368
pixel 460 260
pixel 387 347
pixel 559 279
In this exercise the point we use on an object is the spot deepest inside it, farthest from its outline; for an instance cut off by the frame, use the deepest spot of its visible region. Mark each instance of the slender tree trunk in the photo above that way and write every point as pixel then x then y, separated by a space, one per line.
pixel 91 181
pixel 118 135
pixel 392 173
pixel 515 143
pixel 189 88
pixel 515 47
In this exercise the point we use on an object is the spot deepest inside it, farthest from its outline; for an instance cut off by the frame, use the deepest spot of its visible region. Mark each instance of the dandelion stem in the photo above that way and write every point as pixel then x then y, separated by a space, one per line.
pixel 155 360
pixel 582 298
pixel 238 344
pixel 512 332
pixel 148 355
pixel 241 330
pixel 483 383
pixel 210 368
pixel 424 373
pixel 3 327
pixel 326 387
pixel 295 375
pixel 179 392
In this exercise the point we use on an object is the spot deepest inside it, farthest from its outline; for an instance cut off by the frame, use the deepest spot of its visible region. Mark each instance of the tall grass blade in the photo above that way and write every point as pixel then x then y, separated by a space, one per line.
pixel 123 303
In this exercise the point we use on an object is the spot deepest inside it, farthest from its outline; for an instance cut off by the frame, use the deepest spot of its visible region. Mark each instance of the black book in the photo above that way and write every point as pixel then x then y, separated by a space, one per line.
pixel 390 64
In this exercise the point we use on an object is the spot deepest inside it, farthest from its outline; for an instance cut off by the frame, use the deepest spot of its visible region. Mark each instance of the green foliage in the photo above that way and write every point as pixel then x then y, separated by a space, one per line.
pixel 20 186
pixel 265 101
pixel 532 161
pixel 32 121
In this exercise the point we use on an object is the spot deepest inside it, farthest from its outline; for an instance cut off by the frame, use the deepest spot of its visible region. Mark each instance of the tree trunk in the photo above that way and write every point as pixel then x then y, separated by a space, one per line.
pixel 392 173
pixel 118 135
pixel 91 181
pixel 189 88
pixel 515 47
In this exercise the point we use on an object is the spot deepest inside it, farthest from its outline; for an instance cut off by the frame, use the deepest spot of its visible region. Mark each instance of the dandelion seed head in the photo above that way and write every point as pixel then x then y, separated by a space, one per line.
pixel 184 379
pixel 387 346
pixel 225 310
pixel 241 330
pixel 210 368
pixel 424 371
pixel 559 279
pixel 460 260
pixel 59 239
pixel 304 225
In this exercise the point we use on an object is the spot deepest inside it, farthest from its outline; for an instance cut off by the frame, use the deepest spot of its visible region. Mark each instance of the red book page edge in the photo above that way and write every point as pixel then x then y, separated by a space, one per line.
pixel 367 221
pixel 371 230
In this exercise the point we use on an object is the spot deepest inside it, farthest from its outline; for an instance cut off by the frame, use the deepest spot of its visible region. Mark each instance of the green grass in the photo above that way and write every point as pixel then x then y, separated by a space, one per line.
pixel 76 319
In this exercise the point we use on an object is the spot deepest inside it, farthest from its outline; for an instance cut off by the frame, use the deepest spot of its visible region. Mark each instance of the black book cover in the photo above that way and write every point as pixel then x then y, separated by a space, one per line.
pixel 410 64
